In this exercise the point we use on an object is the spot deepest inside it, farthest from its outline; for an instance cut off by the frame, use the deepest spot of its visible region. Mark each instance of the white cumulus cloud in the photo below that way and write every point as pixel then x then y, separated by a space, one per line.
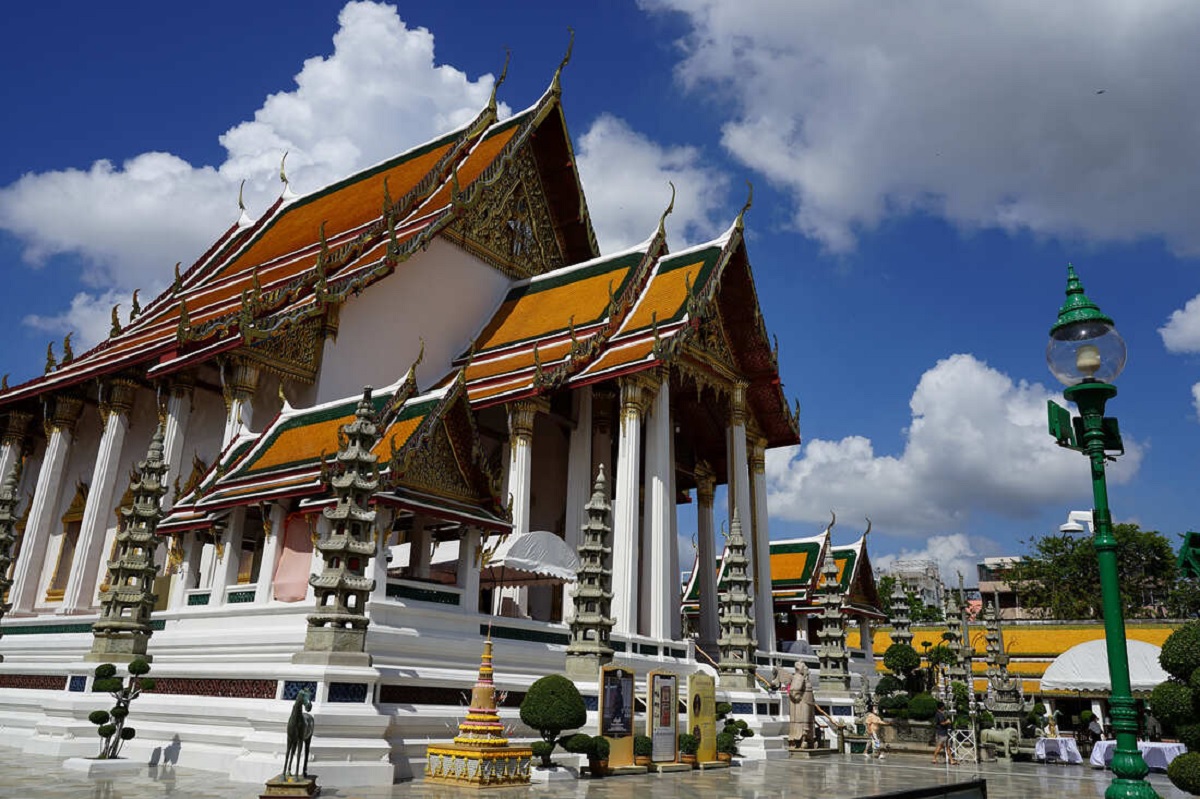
pixel 1181 333
pixel 380 92
pixel 1074 118
pixel 977 443
pixel 625 177
pixel 954 554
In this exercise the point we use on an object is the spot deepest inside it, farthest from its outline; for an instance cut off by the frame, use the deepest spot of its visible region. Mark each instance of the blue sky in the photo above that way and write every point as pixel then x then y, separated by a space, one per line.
pixel 922 173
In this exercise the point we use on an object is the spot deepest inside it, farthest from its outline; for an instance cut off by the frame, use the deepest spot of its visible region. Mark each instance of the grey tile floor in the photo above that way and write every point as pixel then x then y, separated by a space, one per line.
pixel 35 777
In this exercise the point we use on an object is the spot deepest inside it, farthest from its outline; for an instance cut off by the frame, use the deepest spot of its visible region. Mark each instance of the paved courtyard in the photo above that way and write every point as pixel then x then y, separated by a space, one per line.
pixel 34 777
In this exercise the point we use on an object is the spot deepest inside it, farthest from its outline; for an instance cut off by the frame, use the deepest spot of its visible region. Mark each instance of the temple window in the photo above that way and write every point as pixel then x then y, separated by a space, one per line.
pixel 250 556
pixel 72 521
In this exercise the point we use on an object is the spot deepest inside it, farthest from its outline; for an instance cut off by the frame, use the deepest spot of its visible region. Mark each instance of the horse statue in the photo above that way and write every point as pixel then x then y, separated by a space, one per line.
pixel 299 733
pixel 1006 737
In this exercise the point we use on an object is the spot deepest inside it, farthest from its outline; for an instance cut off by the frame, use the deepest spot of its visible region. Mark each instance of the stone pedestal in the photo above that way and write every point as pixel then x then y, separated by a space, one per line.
pixel 280 785
pixel 104 769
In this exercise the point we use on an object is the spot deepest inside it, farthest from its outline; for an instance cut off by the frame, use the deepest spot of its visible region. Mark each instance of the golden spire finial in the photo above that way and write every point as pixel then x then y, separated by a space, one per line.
pixel 136 307
pixel 68 353
pixel 500 80
pixel 556 85
pixel 662 220
pixel 749 202
pixel 178 284
pixel 4 382
pixel 50 362
pixel 116 321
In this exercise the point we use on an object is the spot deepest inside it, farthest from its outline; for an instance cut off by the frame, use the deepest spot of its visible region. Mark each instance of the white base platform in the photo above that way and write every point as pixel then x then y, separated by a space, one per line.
pixel 104 769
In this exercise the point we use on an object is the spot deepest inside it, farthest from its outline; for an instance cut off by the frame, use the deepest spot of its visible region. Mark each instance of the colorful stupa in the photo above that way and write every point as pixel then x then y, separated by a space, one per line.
pixel 480 756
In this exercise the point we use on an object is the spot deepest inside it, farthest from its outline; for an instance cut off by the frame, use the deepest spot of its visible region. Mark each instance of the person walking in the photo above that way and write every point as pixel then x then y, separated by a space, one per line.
pixel 941 729
pixel 874 726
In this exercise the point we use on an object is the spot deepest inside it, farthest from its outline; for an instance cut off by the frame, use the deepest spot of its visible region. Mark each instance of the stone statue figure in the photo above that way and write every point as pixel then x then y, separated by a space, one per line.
pixel 801 730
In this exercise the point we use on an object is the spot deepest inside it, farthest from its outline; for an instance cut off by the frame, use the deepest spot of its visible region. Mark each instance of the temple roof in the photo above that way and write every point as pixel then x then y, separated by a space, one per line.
pixel 295 264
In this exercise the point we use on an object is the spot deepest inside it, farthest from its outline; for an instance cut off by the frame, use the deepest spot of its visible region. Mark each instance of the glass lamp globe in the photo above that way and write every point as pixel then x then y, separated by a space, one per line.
pixel 1090 349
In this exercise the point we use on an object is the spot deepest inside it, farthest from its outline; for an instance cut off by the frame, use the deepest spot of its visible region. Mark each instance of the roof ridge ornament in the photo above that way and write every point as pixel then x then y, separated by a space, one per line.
pixel 50 362
pixel 491 106
pixel 662 220
pixel 244 220
pixel 136 308
pixel 177 286
pixel 68 353
pixel 115 330
pixel 740 221
pixel 556 83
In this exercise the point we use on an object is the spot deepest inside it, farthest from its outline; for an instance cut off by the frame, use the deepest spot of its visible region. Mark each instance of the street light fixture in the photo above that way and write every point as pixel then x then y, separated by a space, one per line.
pixel 1086 353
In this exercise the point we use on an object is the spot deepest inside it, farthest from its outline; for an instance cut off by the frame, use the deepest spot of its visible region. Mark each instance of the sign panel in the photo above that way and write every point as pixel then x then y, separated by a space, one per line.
pixel 702 715
pixel 662 722
pixel 616 714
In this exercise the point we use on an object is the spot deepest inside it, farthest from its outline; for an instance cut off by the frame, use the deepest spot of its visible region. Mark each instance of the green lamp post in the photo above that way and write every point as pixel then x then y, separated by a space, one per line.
pixel 1086 354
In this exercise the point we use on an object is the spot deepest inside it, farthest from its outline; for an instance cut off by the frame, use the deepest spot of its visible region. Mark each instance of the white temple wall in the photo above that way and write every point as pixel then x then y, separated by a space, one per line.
pixel 440 294
pixel 203 435
pixel 265 404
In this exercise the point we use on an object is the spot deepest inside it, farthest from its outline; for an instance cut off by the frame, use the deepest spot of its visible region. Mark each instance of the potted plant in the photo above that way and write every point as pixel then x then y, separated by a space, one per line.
pixel 726 746
pixel 598 756
pixel 643 748
pixel 689 745
pixel 552 705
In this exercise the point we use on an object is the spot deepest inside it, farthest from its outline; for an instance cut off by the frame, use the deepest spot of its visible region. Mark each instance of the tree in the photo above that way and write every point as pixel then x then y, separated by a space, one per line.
pixel 552 705
pixel 111 723
pixel 1176 702
pixel 1061 578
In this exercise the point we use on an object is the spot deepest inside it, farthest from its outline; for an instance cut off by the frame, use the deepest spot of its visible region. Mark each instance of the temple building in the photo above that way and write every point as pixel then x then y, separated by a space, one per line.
pixel 506 362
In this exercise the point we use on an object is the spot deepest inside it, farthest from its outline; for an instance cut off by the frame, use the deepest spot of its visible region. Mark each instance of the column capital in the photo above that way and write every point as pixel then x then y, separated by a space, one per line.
pixel 117 397
pixel 239 380
pixel 737 402
pixel 706 484
pixel 758 455
pixel 62 416
pixel 16 428
pixel 602 402
pixel 521 415
pixel 637 393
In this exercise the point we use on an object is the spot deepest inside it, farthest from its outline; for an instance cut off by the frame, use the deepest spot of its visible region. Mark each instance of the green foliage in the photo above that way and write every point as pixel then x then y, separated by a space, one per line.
pixel 942 655
pixel 110 724
pixel 727 743
pixel 128 734
pixel 1086 716
pixel 901 659
pixel 120 712
pixel 578 744
pixel 1189 736
pixel 986 719
pixel 888 685
pixel 107 685
pixel 599 749
pixel 688 744
pixel 106 730
pixel 1180 655
pixel 723 709
pixel 1038 709
pixel 895 705
pixel 552 705
pixel 139 667
pixel 105 670
pixel 642 746
pixel 1061 575
pixel 542 750
pixel 1184 773
pixel 962 701
pixel 922 707
pixel 1183 602
pixel 1171 703
pixel 98 717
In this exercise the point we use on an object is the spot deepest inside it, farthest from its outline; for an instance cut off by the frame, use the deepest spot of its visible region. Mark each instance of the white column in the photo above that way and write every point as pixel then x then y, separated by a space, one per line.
pixel 521 415
pixel 16 430
pixel 625 508
pixel 228 555
pixel 764 601
pixel 190 563
pixel 739 481
pixel 579 464
pixel 80 593
pixel 673 544
pixel 662 586
pixel 420 549
pixel 28 571
pixel 383 535
pixel 179 411
pixel 468 569
pixel 706 557
pixel 241 380
pixel 272 549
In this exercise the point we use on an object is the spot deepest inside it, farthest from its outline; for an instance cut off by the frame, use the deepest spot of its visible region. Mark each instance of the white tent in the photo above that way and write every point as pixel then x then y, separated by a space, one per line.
pixel 536 557
pixel 1084 667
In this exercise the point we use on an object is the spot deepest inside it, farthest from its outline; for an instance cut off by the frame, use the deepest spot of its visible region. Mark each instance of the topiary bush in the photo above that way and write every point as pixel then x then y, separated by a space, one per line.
pixel 1171 703
pixel 643 746
pixel 542 749
pixel 1184 773
pixel 1189 736
pixel 600 748
pixel 727 743
pixel 888 685
pixel 922 707
pixel 578 744
pixel 110 724
pixel 688 744
pixel 901 659
pixel 552 705
pixel 895 705
pixel 1180 654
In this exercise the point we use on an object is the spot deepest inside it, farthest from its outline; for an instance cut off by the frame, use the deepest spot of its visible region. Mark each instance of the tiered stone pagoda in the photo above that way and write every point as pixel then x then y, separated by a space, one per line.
pixel 834 657
pixel 735 615
pixel 337 632
pixel 589 648
pixel 480 756
pixel 124 629
pixel 966 649
pixel 1004 700
pixel 953 638
pixel 991 637
pixel 901 623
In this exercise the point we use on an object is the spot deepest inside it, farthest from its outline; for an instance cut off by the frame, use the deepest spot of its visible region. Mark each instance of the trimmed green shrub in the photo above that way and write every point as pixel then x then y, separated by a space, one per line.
pixel 723 709
pixel 110 724
pixel 1085 717
pixel 901 659
pixel 727 743
pixel 642 746
pixel 1180 654
pixel 1189 736
pixel 600 748
pixel 578 744
pixel 1184 773
pixel 542 749
pixel 922 707
pixel 895 705
pixel 986 720
pixel 688 744
pixel 888 685
pixel 1171 703
pixel 552 705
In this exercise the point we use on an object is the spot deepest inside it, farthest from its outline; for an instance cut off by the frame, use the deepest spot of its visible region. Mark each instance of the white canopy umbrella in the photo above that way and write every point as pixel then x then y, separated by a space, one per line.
pixel 534 558
pixel 1084 667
